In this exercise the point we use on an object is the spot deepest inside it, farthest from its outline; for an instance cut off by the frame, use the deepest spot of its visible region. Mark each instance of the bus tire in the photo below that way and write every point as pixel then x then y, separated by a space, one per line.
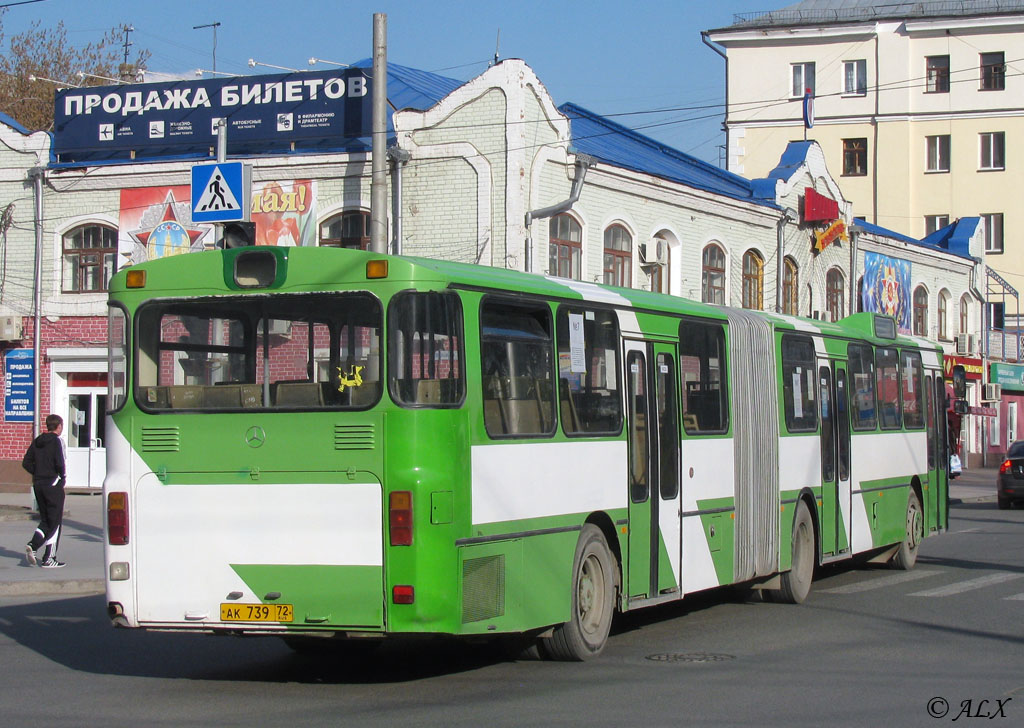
pixel 795 584
pixel 906 555
pixel 593 601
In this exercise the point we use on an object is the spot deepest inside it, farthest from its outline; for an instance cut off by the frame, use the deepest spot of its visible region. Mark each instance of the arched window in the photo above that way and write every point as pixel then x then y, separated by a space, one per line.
pixel 618 256
pixel 920 311
pixel 90 255
pixel 835 292
pixel 350 229
pixel 965 314
pixel 565 249
pixel 753 280
pixel 790 287
pixel 944 314
pixel 713 275
pixel 658 272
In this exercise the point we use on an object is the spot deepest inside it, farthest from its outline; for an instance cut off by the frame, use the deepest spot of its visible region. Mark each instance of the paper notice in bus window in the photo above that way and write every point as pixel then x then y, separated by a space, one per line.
pixel 810 385
pixel 610 375
pixel 577 344
pixel 798 394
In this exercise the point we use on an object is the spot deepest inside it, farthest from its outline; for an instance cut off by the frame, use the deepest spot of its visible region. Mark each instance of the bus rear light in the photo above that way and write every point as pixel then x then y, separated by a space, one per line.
pixel 400 517
pixel 402 594
pixel 376 269
pixel 117 519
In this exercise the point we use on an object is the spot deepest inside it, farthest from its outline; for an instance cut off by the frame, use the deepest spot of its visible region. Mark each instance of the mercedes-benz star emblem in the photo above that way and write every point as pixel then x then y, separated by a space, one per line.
pixel 255 436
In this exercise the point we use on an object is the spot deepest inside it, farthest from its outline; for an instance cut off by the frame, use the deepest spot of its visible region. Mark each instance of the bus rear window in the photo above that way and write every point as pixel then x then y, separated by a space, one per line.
pixel 286 352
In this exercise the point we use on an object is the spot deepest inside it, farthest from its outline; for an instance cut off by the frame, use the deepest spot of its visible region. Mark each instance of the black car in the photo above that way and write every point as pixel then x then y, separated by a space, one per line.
pixel 1010 484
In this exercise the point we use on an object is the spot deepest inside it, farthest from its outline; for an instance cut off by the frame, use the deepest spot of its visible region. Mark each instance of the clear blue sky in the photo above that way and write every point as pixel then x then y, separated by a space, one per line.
pixel 610 57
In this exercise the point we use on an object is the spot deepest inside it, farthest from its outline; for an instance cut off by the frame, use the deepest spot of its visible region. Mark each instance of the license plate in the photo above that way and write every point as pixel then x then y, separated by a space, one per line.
pixel 256 612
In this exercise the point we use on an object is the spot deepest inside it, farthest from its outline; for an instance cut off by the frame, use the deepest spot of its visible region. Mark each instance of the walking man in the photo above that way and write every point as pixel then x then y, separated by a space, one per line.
pixel 45 460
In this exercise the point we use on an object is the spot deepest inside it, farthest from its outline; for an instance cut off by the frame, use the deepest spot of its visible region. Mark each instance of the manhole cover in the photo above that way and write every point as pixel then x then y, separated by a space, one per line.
pixel 689 657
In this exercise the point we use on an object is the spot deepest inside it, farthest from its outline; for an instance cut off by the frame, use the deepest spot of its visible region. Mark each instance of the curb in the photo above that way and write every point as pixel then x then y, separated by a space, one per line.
pixel 49 588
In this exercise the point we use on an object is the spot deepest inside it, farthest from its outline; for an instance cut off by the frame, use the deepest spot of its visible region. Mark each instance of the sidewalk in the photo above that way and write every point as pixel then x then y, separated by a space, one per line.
pixel 81 547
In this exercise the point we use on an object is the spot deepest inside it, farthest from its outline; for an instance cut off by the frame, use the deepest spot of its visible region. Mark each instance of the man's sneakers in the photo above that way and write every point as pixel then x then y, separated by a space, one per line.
pixel 30 555
pixel 53 564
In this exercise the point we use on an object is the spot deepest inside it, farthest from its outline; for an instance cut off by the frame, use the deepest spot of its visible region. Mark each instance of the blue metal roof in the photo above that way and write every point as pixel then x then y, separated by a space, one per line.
pixel 411 88
pixel 954 238
pixel 610 142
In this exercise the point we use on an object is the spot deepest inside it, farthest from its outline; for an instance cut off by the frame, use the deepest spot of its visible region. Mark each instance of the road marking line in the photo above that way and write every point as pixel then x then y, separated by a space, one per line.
pixel 880 582
pixel 962 586
pixel 1016 597
pixel 966 530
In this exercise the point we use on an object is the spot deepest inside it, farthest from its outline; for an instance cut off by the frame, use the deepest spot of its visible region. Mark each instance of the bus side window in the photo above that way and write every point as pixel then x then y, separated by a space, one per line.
pixel 517 369
pixel 862 379
pixel 589 383
pixel 702 368
pixel 887 388
pixel 913 390
pixel 799 383
pixel 425 349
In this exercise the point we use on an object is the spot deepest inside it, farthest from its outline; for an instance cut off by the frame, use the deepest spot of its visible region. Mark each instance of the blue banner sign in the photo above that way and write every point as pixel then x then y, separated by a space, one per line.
pixel 887 288
pixel 280 112
pixel 19 385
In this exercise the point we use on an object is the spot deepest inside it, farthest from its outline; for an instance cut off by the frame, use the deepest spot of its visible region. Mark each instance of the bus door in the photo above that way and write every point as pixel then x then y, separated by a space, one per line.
pixel 835 459
pixel 938 459
pixel 655 536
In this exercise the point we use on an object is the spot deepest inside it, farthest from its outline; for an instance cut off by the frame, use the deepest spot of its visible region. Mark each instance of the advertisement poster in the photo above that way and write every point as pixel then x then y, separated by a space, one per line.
pixel 156 222
pixel 19 385
pixel 284 212
pixel 887 288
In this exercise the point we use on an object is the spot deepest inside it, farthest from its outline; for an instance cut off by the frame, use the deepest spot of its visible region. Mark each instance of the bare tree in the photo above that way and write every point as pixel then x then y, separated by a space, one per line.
pixel 45 53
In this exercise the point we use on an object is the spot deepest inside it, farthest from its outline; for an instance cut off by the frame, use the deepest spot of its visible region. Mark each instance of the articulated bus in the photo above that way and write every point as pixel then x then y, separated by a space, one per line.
pixel 316 442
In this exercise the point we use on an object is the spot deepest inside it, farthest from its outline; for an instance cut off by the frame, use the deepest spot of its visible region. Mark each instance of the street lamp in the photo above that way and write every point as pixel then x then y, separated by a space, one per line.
pixel 314 61
pixel 253 64
pixel 50 80
pixel 201 71
pixel 83 75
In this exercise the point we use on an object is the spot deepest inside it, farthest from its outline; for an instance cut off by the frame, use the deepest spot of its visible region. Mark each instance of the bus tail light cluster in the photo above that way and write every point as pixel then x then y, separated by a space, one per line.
pixel 1005 467
pixel 400 517
pixel 117 519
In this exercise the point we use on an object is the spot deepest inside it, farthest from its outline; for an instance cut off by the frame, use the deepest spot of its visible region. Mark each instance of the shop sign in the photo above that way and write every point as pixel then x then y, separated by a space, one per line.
pixel 982 411
pixel 824 238
pixel 974 368
pixel 818 208
pixel 1009 376
pixel 19 385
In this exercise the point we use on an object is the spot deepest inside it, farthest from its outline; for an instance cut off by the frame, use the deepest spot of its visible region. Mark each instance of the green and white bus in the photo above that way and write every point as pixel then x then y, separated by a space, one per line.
pixel 316 442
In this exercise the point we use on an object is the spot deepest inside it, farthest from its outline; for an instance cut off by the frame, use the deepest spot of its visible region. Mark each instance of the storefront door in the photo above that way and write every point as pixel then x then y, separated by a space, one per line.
pixel 84 430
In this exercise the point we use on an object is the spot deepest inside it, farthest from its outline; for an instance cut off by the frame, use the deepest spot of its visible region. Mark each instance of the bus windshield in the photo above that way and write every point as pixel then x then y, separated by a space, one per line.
pixel 258 352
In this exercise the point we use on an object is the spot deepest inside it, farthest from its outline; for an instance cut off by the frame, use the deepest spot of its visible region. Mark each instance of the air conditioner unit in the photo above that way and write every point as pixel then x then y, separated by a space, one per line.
pixel 993 392
pixel 279 327
pixel 964 344
pixel 654 252
pixel 10 327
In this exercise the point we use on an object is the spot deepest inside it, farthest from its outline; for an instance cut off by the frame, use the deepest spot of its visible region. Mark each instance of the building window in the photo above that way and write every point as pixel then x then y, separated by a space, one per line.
pixel 920 311
pixel 993 72
pixel 855 78
pixel 965 314
pixel 790 287
pixel 993 148
pixel 937 74
pixel 835 291
pixel 618 256
pixel 803 79
pixel 855 156
pixel 938 153
pixel 90 253
pixel 753 281
pixel 934 222
pixel 565 249
pixel 993 232
pixel 944 314
pixel 350 229
pixel 713 275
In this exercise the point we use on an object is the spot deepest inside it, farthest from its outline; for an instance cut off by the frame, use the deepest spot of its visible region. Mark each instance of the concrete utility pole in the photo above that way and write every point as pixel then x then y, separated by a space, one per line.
pixel 378 180
pixel 37 175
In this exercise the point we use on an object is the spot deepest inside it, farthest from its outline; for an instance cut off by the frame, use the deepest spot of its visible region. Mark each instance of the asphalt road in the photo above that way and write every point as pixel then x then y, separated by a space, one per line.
pixel 870 647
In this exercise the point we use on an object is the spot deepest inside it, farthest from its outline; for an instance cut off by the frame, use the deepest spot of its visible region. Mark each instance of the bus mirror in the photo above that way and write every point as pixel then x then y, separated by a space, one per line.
pixel 959 382
pixel 960 406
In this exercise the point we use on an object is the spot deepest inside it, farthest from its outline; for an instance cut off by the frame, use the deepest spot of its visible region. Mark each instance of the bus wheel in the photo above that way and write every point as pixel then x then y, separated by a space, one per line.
pixel 796 583
pixel 593 600
pixel 906 555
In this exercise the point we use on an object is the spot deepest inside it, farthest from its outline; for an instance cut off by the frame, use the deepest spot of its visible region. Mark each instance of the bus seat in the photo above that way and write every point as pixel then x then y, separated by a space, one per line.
pixel 567 406
pixel 297 394
pixel 252 395
pixel 364 394
pixel 690 423
pixel 428 391
pixel 155 397
pixel 222 396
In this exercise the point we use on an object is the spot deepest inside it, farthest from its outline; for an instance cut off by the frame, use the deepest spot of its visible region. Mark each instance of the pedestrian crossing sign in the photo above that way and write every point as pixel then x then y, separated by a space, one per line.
pixel 221 192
